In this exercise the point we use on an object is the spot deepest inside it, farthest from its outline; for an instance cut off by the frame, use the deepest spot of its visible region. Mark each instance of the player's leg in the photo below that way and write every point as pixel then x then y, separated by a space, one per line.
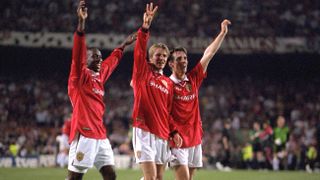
pixel 180 163
pixel 160 170
pixel 195 160
pixel 144 150
pixel 192 171
pixel 149 170
pixel 108 172
pixel 74 175
pixel 162 157
pixel 104 160
pixel 181 172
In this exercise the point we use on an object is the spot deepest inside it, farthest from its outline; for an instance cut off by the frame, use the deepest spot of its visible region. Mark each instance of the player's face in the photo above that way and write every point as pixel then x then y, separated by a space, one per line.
pixel 159 58
pixel 94 60
pixel 180 62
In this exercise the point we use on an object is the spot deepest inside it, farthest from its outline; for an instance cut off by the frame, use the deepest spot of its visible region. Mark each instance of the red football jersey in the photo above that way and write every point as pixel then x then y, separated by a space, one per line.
pixel 86 90
pixel 153 93
pixel 185 110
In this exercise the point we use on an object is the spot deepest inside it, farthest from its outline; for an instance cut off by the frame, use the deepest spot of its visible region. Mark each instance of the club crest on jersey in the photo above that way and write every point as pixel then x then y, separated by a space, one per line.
pixel 80 156
pixel 188 87
pixel 164 82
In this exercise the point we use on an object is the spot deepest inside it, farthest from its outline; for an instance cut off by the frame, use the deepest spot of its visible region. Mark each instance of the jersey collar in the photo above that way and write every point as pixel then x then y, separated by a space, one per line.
pixel 176 80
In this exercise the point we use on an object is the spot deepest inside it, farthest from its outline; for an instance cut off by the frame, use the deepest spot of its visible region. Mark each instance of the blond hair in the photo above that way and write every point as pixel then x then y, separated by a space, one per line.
pixel 153 48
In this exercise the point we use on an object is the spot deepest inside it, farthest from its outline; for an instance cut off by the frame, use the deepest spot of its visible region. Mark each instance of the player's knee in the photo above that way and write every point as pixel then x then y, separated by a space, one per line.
pixel 74 176
pixel 159 177
pixel 108 173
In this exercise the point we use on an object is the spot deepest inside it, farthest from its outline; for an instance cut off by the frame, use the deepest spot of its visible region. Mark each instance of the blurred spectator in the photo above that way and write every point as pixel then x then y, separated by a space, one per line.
pixel 268 18
pixel 243 101
pixel 281 134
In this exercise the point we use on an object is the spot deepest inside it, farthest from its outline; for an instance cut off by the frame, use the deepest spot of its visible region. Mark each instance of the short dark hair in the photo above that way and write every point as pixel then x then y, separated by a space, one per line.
pixel 176 49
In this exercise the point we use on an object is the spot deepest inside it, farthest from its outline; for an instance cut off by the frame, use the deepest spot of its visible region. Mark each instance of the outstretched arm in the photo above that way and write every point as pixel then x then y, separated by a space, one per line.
pixel 112 61
pixel 215 45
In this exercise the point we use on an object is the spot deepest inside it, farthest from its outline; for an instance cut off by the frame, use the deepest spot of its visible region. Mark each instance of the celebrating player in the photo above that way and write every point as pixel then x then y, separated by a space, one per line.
pixel 89 143
pixel 185 111
pixel 153 95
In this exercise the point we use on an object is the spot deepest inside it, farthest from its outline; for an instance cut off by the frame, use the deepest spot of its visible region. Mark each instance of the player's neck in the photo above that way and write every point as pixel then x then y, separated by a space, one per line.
pixel 157 70
pixel 180 75
pixel 160 71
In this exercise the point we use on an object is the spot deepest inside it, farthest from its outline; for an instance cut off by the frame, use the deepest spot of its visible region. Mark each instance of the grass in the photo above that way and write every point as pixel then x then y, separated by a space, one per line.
pixel 57 173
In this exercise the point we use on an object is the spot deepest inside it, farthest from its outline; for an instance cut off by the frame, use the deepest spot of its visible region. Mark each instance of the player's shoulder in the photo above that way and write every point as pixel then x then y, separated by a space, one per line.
pixel 169 81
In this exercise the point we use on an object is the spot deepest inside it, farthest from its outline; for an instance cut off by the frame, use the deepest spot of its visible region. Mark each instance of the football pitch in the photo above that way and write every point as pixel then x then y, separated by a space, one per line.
pixel 93 174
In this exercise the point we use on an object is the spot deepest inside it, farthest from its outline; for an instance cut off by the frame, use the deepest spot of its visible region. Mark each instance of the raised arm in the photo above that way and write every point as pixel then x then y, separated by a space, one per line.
pixel 215 45
pixel 82 15
pixel 79 44
pixel 79 51
pixel 140 49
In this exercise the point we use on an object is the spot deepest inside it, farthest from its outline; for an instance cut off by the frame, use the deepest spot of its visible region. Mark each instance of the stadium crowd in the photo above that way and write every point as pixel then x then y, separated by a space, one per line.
pixel 31 115
pixel 32 110
pixel 176 18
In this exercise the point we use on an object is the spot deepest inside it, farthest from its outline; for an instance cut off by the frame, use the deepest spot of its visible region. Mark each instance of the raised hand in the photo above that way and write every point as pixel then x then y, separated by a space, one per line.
pixel 224 26
pixel 148 15
pixel 82 10
pixel 129 40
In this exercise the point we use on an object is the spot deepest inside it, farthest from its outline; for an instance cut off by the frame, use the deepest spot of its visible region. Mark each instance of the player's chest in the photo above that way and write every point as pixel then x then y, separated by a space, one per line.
pixel 158 83
pixel 185 92
pixel 94 86
pixel 184 88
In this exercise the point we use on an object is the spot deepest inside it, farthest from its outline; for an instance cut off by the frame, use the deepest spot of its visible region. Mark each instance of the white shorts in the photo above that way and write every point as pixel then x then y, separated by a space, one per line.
pixel 191 157
pixel 150 148
pixel 85 152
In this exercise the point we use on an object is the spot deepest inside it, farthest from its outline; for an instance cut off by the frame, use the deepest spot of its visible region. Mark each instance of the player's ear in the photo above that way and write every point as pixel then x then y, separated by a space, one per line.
pixel 170 63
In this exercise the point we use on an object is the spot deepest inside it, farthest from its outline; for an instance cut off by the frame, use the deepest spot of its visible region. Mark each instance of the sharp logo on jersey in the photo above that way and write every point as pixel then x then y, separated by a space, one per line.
pixel 98 91
pixel 185 98
pixel 158 86
pixel 188 87
pixel 80 156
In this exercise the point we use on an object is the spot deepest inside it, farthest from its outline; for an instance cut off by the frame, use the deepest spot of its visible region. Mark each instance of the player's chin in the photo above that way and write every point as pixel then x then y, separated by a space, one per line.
pixel 160 66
